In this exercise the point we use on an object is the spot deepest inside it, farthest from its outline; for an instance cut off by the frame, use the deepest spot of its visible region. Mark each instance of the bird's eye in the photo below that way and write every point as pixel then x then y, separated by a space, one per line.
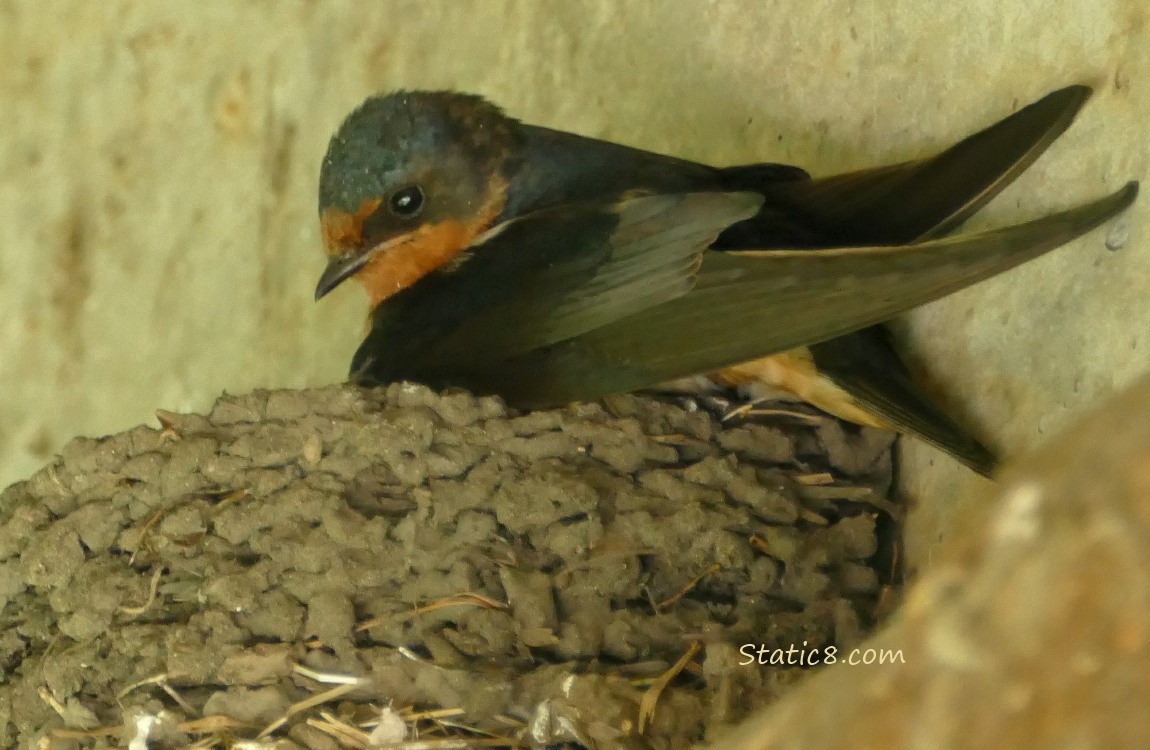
pixel 407 202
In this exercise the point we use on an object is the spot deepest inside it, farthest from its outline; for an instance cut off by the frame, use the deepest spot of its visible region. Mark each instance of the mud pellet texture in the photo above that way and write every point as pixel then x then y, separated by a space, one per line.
pixel 528 575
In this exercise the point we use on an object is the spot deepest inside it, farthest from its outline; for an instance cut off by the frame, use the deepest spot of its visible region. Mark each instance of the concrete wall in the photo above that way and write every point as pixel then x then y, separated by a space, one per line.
pixel 158 162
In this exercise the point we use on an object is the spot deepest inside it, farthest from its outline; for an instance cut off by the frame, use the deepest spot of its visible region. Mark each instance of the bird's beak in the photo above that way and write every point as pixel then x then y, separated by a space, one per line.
pixel 339 269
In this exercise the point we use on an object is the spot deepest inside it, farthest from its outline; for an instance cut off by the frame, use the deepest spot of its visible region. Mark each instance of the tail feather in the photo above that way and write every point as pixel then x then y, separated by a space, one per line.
pixel 907 202
pixel 866 366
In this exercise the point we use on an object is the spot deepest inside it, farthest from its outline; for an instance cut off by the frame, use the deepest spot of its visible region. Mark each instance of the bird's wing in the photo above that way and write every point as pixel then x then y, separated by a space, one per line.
pixel 750 304
pixel 548 277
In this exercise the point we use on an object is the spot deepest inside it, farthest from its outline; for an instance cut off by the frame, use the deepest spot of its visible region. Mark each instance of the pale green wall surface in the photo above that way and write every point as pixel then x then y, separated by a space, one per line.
pixel 158 163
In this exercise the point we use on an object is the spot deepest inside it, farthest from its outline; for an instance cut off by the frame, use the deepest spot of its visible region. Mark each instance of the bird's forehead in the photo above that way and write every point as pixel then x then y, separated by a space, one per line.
pixel 375 146
pixel 390 137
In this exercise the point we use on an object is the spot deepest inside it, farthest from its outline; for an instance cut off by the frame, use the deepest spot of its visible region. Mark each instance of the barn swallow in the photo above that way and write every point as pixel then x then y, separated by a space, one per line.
pixel 549 267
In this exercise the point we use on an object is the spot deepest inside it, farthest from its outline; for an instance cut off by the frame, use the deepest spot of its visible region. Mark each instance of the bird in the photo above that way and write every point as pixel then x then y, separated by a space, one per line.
pixel 548 267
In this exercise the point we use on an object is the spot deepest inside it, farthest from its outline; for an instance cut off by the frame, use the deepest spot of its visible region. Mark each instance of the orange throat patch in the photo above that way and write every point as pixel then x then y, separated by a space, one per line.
pixel 421 252
pixel 412 256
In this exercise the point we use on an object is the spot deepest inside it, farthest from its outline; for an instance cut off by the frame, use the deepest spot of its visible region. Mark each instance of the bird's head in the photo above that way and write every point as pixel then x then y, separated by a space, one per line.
pixel 408 181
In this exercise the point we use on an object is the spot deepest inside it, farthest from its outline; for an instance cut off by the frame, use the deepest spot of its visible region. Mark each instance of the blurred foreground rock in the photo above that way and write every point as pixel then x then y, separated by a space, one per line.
pixel 340 567
pixel 1031 628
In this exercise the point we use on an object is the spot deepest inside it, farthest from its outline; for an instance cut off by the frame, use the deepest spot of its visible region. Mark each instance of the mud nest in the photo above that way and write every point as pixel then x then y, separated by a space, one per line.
pixel 346 568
